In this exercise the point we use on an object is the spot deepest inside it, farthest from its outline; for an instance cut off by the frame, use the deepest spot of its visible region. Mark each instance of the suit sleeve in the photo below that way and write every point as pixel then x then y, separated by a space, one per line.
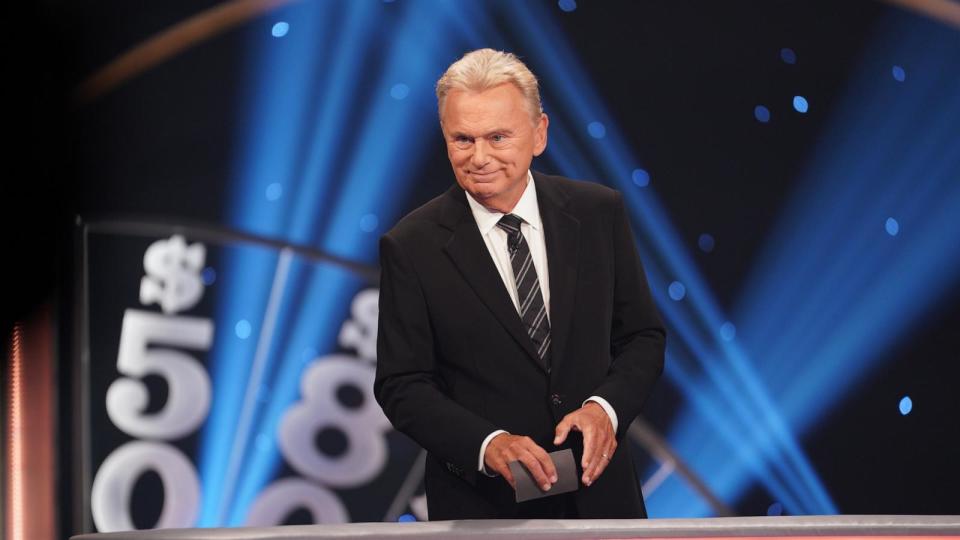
pixel 408 385
pixel 637 337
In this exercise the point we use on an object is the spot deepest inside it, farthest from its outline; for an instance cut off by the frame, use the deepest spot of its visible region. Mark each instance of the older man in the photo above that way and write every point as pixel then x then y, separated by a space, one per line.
pixel 515 318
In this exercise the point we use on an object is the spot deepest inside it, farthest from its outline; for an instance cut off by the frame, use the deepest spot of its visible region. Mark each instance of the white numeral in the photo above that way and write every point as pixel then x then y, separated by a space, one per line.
pixel 188 397
pixel 278 500
pixel 363 427
pixel 113 485
pixel 360 332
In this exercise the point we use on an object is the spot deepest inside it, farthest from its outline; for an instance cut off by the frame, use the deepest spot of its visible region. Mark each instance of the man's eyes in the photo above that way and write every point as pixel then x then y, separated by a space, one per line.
pixel 497 139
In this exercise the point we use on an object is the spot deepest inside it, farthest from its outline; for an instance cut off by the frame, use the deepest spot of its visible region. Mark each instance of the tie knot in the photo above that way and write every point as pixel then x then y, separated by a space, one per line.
pixel 510 223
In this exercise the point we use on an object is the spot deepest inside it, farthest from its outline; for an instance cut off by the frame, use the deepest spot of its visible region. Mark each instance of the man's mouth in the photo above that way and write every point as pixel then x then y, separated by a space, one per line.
pixel 482 175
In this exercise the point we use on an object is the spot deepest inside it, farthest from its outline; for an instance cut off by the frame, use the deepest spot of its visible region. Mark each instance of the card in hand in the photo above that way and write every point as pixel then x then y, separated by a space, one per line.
pixel 567 479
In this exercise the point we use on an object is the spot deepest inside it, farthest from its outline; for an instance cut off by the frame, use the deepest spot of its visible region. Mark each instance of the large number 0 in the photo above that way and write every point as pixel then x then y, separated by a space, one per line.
pixel 363 425
pixel 113 485
pixel 188 396
pixel 284 496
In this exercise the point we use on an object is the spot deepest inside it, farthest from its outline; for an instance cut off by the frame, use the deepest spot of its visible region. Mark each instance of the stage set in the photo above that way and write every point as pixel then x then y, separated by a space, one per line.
pixel 191 327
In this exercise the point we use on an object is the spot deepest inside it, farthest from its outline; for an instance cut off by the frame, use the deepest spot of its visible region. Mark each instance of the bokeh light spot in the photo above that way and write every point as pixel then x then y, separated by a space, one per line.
pixel 800 104
pixel 761 113
pixel 596 130
pixel 242 329
pixel 280 29
pixel 677 291
pixel 892 226
pixel 641 177
pixel 706 243
pixel 399 91
pixel 906 405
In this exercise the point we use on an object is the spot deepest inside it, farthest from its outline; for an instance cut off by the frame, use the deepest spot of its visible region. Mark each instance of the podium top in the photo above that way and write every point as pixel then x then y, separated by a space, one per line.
pixel 736 527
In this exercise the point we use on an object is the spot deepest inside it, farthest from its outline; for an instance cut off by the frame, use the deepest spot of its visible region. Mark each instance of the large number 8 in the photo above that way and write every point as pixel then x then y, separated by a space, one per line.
pixel 362 425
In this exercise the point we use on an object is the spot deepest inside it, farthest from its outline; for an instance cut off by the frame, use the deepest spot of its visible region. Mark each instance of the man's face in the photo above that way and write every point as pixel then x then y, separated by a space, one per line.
pixel 491 140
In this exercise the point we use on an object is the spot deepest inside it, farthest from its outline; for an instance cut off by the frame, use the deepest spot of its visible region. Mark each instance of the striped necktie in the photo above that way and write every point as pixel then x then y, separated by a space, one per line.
pixel 533 312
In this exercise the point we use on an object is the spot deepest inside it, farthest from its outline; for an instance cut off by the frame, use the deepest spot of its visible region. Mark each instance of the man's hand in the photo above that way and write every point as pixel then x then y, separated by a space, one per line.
pixel 504 448
pixel 599 440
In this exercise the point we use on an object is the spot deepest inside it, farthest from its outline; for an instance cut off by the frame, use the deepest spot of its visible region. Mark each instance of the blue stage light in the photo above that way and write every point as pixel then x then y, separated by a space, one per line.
pixel 344 189
pixel 209 276
pixel 772 450
pixel 274 191
pixel 677 291
pixel 788 56
pixel 369 223
pixel 242 329
pixel 567 5
pixel 597 130
pixel 800 104
pixel 892 226
pixel 706 243
pixel 898 73
pixel 640 177
pixel 775 509
pixel 761 113
pixel 399 91
pixel 906 405
pixel 406 518
pixel 280 29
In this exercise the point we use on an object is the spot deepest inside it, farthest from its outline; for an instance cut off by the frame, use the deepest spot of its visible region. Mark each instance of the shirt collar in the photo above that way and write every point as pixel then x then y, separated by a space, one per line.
pixel 526 209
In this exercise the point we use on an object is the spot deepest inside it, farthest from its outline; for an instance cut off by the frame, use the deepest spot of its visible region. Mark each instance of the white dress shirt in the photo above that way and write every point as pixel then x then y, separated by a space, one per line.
pixel 495 239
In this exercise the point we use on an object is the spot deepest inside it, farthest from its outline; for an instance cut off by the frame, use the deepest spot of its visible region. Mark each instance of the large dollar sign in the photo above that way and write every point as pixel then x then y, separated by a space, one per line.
pixel 360 333
pixel 173 274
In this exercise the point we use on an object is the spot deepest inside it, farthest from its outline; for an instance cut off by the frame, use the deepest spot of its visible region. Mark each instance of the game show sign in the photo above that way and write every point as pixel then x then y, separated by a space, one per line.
pixel 162 332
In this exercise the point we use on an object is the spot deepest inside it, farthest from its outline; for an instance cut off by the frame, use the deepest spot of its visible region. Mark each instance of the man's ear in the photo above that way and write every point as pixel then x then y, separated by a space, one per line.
pixel 540 134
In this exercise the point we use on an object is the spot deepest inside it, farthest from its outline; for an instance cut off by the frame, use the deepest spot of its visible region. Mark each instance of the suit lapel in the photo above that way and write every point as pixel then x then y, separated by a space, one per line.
pixel 470 255
pixel 562 235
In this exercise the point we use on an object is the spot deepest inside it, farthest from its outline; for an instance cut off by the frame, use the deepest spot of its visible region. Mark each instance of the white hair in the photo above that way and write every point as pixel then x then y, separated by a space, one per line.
pixel 483 69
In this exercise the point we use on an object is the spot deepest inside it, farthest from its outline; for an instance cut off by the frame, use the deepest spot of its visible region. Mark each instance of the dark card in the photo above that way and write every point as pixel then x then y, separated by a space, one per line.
pixel 567 479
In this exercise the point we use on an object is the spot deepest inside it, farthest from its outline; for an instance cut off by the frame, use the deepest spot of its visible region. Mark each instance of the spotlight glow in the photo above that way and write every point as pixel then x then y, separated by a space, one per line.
pixel 892 226
pixel 761 113
pixel 706 243
pixel 242 329
pixel 209 276
pixel 641 177
pixel 274 191
pixel 728 331
pixel 369 222
pixel 677 291
pixel 800 104
pixel 597 130
pixel 280 29
pixel 906 405
pixel 788 56
pixel 898 73
pixel 399 91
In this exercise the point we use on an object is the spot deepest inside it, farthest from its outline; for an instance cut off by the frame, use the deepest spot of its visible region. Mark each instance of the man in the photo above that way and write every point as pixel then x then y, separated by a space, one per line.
pixel 515 317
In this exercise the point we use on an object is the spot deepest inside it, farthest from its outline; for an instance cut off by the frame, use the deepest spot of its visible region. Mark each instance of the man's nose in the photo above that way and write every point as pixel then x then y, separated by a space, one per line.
pixel 479 156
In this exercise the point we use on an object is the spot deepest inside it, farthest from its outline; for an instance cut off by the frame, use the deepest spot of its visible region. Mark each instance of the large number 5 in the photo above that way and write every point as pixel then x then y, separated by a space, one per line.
pixel 188 395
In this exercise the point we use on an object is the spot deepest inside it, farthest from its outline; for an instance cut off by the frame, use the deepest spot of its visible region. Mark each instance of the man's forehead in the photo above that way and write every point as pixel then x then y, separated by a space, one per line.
pixel 493 109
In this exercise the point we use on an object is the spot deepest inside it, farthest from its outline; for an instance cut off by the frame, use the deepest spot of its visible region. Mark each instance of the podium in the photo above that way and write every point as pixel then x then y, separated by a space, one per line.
pixel 740 528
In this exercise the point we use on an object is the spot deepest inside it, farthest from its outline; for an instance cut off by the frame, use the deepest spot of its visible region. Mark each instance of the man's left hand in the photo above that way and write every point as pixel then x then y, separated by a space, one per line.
pixel 599 440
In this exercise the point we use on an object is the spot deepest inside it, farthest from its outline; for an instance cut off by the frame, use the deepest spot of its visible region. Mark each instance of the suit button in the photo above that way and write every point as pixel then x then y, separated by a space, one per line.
pixel 555 399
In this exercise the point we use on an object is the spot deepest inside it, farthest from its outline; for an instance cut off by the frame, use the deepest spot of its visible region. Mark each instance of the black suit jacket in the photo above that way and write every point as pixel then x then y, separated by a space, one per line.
pixel 455 364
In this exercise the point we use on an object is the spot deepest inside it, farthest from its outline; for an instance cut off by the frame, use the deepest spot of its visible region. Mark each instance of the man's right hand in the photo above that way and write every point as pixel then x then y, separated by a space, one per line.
pixel 504 448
